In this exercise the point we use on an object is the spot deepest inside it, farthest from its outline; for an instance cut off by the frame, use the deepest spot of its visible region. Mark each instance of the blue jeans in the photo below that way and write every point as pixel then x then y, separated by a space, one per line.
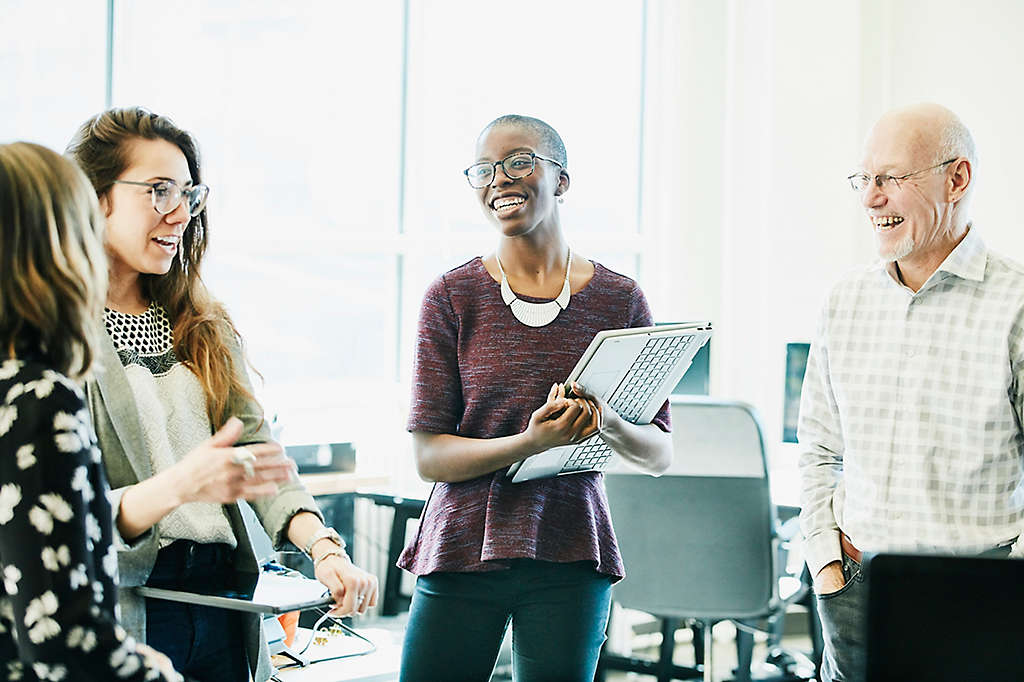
pixel 844 627
pixel 202 641
pixel 559 613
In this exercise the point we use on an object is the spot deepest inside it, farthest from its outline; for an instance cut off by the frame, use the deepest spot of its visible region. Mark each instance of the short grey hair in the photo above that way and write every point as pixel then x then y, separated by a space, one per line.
pixel 955 141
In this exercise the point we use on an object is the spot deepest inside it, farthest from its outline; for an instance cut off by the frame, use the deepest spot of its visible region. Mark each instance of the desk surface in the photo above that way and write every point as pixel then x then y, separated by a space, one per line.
pixel 337 483
pixel 380 666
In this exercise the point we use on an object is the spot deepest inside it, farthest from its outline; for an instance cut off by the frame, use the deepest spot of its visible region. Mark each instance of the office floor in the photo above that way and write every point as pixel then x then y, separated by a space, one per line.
pixel 646 645
pixel 723 653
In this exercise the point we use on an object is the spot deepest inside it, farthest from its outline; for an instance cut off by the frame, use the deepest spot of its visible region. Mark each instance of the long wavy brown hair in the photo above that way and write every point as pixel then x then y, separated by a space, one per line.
pixel 202 326
pixel 54 270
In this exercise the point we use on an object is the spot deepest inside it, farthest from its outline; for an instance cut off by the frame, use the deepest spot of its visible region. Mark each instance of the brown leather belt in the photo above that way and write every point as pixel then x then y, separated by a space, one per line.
pixel 851 551
pixel 848 548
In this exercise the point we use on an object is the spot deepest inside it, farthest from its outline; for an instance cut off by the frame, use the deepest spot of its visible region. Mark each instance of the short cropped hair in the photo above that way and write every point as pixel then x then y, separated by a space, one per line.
pixel 956 141
pixel 549 138
pixel 54 267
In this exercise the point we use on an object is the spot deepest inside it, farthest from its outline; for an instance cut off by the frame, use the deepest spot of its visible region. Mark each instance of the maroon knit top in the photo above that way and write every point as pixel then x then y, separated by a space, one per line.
pixel 480 373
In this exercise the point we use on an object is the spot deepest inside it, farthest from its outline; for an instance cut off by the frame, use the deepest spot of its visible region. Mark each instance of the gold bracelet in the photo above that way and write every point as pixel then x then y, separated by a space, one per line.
pixel 337 551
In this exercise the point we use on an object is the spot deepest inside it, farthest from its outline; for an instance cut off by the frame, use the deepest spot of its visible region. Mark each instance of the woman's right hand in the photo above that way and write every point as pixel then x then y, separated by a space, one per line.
pixel 212 473
pixel 561 421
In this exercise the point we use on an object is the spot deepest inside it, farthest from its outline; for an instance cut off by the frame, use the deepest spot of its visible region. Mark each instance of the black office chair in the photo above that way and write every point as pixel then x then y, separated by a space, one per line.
pixel 702 543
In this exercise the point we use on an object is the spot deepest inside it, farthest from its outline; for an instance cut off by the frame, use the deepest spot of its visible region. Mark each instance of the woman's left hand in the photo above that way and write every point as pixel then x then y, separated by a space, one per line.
pixel 606 416
pixel 354 590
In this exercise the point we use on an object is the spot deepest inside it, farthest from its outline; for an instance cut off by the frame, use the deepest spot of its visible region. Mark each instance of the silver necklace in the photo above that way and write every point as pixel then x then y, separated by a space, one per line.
pixel 535 314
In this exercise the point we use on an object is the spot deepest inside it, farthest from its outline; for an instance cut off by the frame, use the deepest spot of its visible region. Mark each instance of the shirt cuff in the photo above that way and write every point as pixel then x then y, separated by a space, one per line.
pixel 284 507
pixel 120 543
pixel 821 549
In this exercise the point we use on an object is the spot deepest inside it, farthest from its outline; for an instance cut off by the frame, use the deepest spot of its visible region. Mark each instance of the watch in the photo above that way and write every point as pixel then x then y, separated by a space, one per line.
pixel 325 533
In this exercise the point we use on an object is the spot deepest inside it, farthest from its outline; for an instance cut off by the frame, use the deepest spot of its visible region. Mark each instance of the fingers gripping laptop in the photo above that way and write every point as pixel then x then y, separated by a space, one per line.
pixel 634 371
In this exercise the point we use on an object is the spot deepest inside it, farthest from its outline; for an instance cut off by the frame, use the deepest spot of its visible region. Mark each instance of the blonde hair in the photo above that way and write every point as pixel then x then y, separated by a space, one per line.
pixel 202 327
pixel 54 268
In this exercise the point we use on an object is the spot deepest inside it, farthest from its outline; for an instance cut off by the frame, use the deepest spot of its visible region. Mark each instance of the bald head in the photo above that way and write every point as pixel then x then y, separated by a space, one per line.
pixel 931 132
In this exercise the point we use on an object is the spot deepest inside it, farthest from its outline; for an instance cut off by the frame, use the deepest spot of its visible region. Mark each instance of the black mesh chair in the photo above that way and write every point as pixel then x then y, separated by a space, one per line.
pixel 702 543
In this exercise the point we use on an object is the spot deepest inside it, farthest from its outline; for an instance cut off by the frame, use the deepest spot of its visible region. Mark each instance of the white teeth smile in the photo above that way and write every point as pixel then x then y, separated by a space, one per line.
pixel 503 203
pixel 886 222
pixel 169 240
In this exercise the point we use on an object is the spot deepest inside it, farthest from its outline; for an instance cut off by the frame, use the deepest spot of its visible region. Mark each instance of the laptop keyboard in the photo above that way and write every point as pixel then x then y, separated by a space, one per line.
pixel 646 374
pixel 592 454
pixel 631 397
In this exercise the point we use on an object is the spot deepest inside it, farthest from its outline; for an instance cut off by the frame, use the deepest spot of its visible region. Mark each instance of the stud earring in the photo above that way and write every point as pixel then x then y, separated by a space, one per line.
pixel 561 200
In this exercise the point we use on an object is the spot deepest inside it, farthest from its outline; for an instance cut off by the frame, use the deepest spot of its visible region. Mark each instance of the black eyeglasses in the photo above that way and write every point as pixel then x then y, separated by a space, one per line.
pixel 860 181
pixel 167 195
pixel 515 166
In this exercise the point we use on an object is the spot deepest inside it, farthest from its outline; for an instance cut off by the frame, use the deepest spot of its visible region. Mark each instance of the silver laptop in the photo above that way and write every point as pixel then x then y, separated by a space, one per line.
pixel 254 592
pixel 274 590
pixel 634 371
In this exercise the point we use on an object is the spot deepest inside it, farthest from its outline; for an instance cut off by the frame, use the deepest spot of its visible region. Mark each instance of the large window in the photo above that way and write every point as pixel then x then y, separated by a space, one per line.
pixel 470 62
pixel 42 100
pixel 297 108
pixel 333 137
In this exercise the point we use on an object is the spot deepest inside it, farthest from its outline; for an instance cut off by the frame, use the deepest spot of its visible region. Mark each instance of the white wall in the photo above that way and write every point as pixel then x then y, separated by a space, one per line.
pixel 756 112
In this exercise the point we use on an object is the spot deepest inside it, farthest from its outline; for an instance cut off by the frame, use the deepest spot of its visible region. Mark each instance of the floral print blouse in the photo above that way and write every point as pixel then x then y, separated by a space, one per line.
pixel 58 567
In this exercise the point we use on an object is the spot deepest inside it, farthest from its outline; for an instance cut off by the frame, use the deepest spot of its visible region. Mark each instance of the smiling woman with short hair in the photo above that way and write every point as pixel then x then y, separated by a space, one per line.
pixel 494 334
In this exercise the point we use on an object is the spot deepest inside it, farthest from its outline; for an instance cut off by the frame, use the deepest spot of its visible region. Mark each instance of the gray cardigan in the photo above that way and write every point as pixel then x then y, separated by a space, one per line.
pixel 116 420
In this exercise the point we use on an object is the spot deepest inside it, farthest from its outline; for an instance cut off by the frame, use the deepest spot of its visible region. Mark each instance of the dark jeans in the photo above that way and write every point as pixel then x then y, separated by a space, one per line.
pixel 559 613
pixel 202 641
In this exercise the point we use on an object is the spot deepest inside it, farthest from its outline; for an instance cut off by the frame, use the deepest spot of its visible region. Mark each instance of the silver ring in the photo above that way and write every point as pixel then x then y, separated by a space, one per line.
pixel 245 458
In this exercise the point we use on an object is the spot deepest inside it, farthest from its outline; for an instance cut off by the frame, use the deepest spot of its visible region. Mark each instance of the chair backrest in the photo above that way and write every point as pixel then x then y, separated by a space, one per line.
pixel 698 540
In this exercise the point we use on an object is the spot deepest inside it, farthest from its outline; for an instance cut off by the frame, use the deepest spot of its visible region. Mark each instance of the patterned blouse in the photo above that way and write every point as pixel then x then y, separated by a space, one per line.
pixel 480 373
pixel 172 414
pixel 58 597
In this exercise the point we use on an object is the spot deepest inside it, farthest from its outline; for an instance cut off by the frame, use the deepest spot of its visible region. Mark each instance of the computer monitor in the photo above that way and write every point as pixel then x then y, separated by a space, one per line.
pixel 940 618
pixel 323 457
pixel 796 364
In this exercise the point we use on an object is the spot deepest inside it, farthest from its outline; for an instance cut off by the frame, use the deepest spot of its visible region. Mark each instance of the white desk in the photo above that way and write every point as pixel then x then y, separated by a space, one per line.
pixel 380 666
pixel 335 483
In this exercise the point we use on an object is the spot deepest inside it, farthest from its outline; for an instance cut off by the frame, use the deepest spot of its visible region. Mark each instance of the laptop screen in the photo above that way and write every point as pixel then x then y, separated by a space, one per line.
pixel 940 618
pixel 259 593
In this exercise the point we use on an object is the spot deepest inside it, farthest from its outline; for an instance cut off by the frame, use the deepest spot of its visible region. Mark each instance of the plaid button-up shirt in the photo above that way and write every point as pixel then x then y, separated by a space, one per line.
pixel 910 418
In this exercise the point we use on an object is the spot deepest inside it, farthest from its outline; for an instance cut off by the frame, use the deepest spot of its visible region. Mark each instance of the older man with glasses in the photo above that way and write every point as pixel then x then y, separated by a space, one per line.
pixel 910 424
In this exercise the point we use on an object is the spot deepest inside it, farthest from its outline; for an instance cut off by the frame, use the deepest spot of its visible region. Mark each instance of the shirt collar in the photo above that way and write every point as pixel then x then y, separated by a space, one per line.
pixel 966 261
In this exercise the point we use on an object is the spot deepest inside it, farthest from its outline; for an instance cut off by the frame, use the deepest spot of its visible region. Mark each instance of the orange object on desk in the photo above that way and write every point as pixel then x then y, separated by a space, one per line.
pixel 289 622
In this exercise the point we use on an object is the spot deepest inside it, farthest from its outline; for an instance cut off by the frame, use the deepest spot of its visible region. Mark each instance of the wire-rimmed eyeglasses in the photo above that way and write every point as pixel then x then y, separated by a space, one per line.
pixel 515 166
pixel 860 181
pixel 167 195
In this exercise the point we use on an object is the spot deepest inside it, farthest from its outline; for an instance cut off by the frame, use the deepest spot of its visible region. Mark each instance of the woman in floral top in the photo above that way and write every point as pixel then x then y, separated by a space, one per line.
pixel 58 597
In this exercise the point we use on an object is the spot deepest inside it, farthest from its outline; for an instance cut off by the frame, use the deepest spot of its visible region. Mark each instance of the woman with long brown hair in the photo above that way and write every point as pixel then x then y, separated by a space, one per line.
pixel 59 590
pixel 174 404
